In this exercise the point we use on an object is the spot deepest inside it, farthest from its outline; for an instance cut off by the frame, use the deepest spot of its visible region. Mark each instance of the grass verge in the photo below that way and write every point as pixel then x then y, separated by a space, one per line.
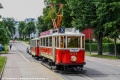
pixel 112 57
pixel 3 52
pixel 2 63
pixel 27 42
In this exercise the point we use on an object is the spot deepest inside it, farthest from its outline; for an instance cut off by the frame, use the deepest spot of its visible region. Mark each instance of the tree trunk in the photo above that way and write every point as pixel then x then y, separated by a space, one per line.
pixel 29 36
pixel 100 45
pixel 115 48
pixel 90 46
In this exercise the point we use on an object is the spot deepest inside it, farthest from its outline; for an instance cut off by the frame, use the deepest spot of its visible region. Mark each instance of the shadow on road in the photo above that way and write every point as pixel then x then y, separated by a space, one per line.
pixel 94 73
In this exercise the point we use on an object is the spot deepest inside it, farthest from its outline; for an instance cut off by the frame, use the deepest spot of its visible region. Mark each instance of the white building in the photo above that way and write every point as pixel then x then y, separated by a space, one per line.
pixel 16 30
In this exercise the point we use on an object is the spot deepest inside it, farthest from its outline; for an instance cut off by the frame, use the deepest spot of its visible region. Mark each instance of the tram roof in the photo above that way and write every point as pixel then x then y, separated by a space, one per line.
pixel 65 34
pixel 35 39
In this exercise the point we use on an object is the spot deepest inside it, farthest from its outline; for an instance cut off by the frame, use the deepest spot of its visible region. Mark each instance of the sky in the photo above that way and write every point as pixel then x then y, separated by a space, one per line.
pixel 21 9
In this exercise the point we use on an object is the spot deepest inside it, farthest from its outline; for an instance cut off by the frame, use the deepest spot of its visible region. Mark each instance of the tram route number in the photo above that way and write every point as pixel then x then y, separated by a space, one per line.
pixel 74 50
pixel 61 30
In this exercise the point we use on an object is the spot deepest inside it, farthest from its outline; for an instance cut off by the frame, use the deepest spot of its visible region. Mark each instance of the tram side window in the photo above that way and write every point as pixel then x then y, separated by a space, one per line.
pixel 50 41
pixel 40 42
pixel 83 41
pixel 43 42
pixel 46 41
pixel 32 43
pixel 79 41
pixel 73 42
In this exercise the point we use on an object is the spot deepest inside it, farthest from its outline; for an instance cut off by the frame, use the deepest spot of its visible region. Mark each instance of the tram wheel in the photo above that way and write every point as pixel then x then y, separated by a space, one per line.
pixel 33 56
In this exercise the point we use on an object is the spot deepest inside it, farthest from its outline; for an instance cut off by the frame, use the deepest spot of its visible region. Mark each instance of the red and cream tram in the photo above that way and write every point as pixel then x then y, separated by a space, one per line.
pixel 64 49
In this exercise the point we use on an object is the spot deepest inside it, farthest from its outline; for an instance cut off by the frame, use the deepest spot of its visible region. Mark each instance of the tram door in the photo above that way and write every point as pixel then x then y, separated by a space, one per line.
pixel 53 47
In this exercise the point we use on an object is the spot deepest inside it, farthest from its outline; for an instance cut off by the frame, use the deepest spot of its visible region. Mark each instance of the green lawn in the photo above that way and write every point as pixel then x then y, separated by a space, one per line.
pixel 102 56
pixel 2 63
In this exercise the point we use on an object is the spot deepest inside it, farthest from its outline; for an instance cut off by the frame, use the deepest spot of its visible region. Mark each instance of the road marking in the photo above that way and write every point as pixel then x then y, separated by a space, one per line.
pixel 86 77
pixel 22 55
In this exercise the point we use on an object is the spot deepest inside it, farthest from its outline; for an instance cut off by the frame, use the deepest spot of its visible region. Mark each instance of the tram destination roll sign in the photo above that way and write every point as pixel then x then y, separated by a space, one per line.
pixel 74 50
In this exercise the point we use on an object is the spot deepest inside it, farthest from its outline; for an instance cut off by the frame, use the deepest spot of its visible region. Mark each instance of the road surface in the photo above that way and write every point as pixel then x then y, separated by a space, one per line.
pixel 97 69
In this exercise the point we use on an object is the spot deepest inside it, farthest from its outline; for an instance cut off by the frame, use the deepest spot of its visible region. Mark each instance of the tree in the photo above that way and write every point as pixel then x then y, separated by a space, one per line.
pixel 113 21
pixel 49 14
pixel 9 22
pixel 21 28
pixel 30 27
pixel 25 32
pixel 41 26
pixel 82 13
pixel 4 34
pixel 4 38
pixel 105 13
pixel 46 18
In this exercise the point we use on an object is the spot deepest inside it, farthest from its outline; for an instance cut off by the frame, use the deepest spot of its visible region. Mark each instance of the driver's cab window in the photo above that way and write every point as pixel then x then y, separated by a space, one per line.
pixel 73 41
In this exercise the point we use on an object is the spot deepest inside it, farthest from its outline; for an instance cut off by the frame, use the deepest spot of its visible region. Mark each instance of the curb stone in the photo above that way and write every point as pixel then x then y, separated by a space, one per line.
pixel 3 69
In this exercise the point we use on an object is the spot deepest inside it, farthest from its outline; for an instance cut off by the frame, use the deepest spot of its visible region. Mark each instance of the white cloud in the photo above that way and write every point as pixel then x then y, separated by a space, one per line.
pixel 21 9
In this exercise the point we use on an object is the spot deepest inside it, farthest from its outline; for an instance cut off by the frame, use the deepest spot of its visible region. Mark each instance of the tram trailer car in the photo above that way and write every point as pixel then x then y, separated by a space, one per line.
pixel 34 48
pixel 64 50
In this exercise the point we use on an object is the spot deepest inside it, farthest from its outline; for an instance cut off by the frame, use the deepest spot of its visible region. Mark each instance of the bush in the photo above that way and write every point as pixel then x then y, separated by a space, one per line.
pixel 88 40
pixel 5 48
pixel 107 47
pixel 107 40
pixel 92 45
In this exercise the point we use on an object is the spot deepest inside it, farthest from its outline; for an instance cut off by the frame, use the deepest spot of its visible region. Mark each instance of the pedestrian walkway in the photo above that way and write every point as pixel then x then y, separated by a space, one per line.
pixel 17 68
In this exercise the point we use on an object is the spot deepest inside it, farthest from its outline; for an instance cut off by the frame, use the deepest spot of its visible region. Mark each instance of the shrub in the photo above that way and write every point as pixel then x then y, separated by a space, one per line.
pixel 107 47
pixel 88 40
pixel 107 40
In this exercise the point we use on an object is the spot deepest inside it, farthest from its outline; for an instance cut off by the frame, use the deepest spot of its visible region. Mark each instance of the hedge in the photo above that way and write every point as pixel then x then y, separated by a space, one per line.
pixel 107 47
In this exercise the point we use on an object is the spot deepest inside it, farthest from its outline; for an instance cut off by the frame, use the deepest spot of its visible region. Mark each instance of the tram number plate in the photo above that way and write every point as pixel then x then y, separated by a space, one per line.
pixel 74 50
pixel 61 30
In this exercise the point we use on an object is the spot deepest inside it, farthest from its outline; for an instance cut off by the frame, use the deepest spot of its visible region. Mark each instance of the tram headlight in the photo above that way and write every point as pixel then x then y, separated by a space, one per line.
pixel 73 58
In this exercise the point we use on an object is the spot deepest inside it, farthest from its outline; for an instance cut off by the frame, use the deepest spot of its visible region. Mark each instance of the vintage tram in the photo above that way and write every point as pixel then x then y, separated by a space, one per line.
pixel 63 48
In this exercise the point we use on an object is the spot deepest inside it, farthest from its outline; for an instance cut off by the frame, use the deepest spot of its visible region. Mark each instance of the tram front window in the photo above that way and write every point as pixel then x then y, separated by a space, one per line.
pixel 73 42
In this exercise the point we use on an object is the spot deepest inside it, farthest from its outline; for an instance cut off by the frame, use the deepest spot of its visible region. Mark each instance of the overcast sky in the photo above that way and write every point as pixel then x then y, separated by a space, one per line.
pixel 21 9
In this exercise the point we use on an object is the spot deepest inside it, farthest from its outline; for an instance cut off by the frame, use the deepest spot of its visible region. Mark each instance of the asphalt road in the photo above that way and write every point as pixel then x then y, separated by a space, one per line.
pixel 96 69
